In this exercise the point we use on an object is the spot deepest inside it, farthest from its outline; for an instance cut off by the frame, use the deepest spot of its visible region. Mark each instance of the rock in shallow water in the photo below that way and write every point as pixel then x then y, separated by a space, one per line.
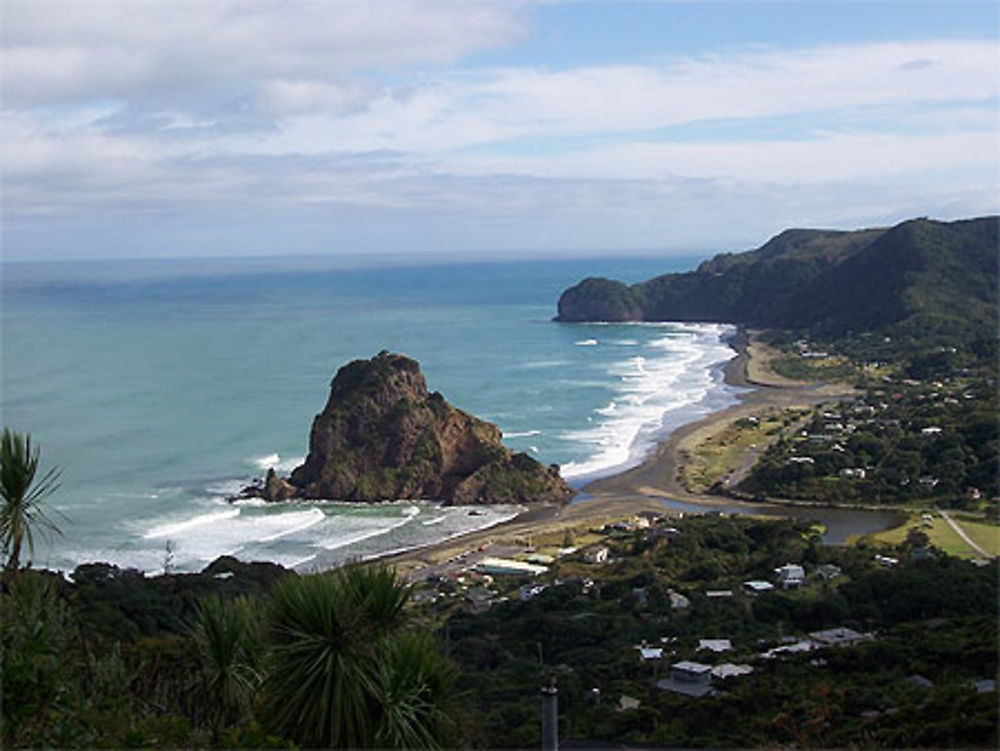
pixel 382 435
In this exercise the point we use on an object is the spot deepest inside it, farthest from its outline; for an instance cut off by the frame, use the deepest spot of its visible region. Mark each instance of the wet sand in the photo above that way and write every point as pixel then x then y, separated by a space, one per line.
pixel 644 487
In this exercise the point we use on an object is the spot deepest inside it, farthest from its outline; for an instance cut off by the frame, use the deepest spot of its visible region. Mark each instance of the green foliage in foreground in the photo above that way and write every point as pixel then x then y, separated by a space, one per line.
pixel 329 660
pixel 342 670
pixel 22 493
pixel 262 658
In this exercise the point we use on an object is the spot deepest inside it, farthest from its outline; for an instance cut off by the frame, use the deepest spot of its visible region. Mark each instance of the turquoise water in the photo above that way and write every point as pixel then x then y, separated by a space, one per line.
pixel 159 387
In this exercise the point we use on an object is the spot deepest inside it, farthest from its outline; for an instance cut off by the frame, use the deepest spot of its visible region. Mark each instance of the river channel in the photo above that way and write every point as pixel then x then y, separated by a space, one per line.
pixel 840 523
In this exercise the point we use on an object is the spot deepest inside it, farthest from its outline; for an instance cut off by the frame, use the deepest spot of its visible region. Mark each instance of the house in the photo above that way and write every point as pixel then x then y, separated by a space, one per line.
pixel 919 681
pixel 715 645
pixel 532 590
pixel 678 601
pixel 490 565
pixel 838 637
pixel 729 670
pixel 803 645
pixel 828 571
pixel 718 593
pixel 757 586
pixel 626 703
pixel 985 686
pixel 647 654
pixel 596 554
pixel 480 598
pixel 688 678
pixel 790 576
pixel 541 559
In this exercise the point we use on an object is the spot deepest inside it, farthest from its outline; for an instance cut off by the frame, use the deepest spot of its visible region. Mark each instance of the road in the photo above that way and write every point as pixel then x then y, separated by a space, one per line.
pixel 961 533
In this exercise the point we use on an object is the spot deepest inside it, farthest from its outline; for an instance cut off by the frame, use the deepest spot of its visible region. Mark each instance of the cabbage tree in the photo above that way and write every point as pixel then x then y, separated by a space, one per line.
pixel 22 493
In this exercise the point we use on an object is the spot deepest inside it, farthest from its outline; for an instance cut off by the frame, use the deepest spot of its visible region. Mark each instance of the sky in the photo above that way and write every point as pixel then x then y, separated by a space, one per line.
pixel 148 128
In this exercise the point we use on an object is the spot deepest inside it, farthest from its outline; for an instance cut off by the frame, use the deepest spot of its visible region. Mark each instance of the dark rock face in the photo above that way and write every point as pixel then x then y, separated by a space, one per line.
pixel 382 435
pixel 598 299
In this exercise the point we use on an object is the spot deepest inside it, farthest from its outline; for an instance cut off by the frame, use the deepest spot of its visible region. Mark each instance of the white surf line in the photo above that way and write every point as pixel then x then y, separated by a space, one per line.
pixel 961 533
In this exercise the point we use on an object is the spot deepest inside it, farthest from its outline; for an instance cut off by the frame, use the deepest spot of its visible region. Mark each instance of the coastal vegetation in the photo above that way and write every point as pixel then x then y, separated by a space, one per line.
pixel 240 655
pixel 252 655
pixel 22 491
pixel 902 440
pixel 932 281
pixel 715 460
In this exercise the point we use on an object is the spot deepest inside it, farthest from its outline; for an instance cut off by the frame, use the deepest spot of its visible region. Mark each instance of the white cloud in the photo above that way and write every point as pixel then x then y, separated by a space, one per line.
pixel 487 107
pixel 832 157
pixel 196 51
pixel 208 109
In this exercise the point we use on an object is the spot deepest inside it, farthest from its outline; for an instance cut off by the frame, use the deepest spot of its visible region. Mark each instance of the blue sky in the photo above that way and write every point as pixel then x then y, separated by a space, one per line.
pixel 184 128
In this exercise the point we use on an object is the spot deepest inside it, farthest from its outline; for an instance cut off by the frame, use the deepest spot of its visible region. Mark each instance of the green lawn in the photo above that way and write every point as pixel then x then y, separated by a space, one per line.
pixel 987 536
pixel 723 453
pixel 944 538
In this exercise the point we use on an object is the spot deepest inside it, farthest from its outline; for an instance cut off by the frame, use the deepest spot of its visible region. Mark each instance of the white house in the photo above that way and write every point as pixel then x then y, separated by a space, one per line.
pixel 729 670
pixel 688 678
pixel 532 590
pixel 715 645
pixel 647 654
pixel 828 571
pixel 838 637
pixel 597 554
pixel 490 565
pixel 790 575
pixel 677 600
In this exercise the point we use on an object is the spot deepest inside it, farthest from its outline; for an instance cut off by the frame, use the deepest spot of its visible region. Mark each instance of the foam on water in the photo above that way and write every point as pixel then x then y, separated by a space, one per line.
pixel 675 372
pixel 277 463
pixel 544 364
pixel 296 522
pixel 174 529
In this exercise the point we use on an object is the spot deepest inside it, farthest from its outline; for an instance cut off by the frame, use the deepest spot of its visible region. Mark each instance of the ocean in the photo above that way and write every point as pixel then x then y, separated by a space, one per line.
pixel 161 387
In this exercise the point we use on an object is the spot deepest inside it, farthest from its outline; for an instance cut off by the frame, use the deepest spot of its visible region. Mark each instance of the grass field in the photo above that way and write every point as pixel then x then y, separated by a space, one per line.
pixel 822 369
pixel 987 536
pixel 731 448
pixel 943 537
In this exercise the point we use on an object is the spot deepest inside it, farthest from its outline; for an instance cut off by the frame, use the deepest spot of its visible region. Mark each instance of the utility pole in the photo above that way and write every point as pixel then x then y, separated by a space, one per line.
pixel 550 716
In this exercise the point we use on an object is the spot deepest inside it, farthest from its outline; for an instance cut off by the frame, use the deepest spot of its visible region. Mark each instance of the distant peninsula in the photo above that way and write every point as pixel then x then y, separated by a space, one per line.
pixel 935 278
pixel 383 436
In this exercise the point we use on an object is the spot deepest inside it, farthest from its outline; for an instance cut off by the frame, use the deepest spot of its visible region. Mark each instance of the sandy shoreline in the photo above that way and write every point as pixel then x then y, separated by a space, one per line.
pixel 642 487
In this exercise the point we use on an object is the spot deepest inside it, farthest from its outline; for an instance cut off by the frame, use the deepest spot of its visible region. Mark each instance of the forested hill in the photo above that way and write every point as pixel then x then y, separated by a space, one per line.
pixel 940 277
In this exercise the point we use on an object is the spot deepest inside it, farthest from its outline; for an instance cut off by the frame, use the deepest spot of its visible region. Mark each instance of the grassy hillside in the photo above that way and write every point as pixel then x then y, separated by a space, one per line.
pixel 935 278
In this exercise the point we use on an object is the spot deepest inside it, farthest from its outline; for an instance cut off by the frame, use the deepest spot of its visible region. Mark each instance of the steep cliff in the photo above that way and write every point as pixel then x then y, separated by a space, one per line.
pixel 382 435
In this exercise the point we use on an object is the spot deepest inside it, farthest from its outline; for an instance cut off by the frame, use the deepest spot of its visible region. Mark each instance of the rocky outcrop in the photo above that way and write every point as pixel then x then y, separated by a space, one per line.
pixel 382 435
